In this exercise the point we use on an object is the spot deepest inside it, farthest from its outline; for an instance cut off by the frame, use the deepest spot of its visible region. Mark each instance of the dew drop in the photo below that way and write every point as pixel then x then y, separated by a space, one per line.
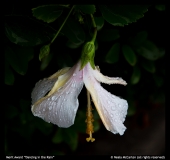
pixel 60 119
pixel 64 99
pixel 67 92
pixel 43 109
pixel 53 98
pixel 108 102
pixel 74 74
pixel 50 107
pixel 74 110
pixel 56 113
pixel 80 76
pixel 73 84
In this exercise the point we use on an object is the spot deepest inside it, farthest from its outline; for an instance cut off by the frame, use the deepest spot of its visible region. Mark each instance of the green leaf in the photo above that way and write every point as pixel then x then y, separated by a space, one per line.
pixel 73 31
pixel 47 13
pixel 99 22
pixel 113 54
pixel 132 108
pixel 44 51
pixel 45 61
pixel 58 137
pixel 89 9
pixel 25 31
pixel 135 75
pixel 71 138
pixel 13 60
pixel 9 76
pixel 160 7
pixel 129 55
pixel 139 38
pixel 72 45
pixel 149 50
pixel 149 66
pixel 19 57
pixel 120 15
pixel 109 35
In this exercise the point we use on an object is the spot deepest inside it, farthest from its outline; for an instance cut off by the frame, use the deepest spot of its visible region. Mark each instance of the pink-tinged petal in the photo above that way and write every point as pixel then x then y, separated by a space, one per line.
pixel 111 108
pixel 60 107
pixel 45 85
pixel 108 80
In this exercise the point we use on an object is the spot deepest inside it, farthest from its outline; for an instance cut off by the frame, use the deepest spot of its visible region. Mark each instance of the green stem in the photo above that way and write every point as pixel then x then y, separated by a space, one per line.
pixel 95 28
pixel 61 26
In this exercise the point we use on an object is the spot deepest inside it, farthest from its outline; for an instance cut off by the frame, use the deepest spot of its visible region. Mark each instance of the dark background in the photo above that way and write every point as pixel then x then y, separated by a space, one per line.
pixel 145 134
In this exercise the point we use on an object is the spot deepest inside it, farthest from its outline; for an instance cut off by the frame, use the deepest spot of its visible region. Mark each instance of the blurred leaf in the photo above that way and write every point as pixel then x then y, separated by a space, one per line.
pixel 120 15
pixel 160 7
pixel 132 108
pixel 19 57
pixel 71 138
pixel 109 35
pixel 45 61
pixel 58 137
pixel 135 75
pixel 149 50
pixel 25 31
pixel 14 60
pixel 129 55
pixel 44 127
pixel 149 66
pixel 44 51
pixel 9 76
pixel 73 31
pixel 11 111
pixel 158 80
pixel 89 9
pixel 113 54
pixel 47 13
pixel 99 22
pixel 64 60
pixel 72 45
pixel 139 38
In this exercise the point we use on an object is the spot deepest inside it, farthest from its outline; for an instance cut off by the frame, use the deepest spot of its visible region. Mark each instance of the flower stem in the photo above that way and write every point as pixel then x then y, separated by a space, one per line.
pixel 62 25
pixel 95 28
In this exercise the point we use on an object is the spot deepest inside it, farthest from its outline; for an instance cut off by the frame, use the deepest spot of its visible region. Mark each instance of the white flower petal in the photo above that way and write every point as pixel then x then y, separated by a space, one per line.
pixel 111 109
pixel 60 107
pixel 108 80
pixel 45 85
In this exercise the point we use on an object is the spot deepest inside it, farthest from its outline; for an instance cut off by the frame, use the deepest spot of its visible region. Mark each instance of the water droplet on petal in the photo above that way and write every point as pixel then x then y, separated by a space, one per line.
pixel 60 119
pixel 53 98
pixel 56 113
pixel 50 107
pixel 74 74
pixel 73 84
pixel 43 109
pixel 67 92
pixel 108 102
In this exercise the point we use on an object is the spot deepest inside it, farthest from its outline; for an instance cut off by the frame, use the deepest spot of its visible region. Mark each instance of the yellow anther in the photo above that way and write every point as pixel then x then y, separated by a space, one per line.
pixel 89 120
pixel 90 138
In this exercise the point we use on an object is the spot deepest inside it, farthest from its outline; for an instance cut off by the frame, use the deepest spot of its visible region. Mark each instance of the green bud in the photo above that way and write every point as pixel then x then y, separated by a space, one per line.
pixel 44 51
pixel 87 54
